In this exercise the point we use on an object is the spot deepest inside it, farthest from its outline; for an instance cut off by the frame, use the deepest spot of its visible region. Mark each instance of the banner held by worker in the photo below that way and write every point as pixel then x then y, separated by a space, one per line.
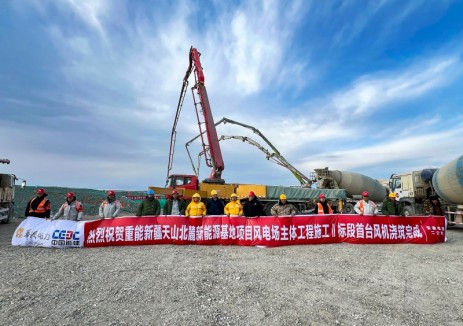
pixel 40 232
pixel 265 231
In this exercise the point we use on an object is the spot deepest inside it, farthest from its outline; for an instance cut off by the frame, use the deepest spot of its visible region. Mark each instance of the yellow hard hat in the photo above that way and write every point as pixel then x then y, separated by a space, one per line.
pixel 196 195
pixel 282 196
pixel 233 195
pixel 213 192
pixel 392 195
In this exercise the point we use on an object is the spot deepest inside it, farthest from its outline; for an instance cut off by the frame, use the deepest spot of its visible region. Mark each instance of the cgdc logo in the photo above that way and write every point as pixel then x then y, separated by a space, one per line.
pixel 65 238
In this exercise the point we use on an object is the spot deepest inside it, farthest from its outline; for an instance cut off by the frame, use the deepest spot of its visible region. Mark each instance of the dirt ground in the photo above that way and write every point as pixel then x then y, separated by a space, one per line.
pixel 338 284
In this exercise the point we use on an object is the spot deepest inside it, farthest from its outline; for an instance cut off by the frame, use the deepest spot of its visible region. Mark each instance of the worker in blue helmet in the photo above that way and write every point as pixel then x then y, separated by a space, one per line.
pixel 150 206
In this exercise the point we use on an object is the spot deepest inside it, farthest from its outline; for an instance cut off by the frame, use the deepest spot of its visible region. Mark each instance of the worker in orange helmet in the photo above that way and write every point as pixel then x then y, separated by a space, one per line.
pixel 196 207
pixel 234 206
pixel 365 206
pixel 323 207
pixel 110 207
pixel 72 209
pixel 39 206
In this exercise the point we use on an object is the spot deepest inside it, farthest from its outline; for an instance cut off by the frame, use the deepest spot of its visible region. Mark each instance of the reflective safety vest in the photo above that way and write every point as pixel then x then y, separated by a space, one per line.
pixel 105 202
pixel 370 203
pixel 321 211
pixel 78 205
pixel 42 208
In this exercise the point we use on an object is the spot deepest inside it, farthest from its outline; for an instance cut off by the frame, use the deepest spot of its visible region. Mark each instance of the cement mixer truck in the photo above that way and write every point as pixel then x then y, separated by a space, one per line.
pixel 353 183
pixel 414 188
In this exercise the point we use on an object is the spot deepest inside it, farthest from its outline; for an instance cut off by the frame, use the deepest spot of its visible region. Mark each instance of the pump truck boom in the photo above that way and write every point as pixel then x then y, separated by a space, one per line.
pixel 188 184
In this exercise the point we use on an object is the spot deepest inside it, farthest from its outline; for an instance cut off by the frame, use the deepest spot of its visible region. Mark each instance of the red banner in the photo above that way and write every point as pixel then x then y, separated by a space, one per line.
pixel 264 231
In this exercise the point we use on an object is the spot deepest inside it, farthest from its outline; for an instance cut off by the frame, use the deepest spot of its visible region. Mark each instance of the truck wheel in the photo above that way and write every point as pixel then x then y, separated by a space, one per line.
pixel 349 208
pixel 408 211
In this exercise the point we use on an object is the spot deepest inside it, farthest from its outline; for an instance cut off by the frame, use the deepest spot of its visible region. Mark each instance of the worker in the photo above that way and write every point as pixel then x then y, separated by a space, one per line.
pixel 234 207
pixel 283 207
pixel 39 206
pixel 252 207
pixel 72 209
pixel 175 205
pixel 433 206
pixel 323 207
pixel 196 207
pixel 214 205
pixel 149 206
pixel 110 207
pixel 391 206
pixel 365 206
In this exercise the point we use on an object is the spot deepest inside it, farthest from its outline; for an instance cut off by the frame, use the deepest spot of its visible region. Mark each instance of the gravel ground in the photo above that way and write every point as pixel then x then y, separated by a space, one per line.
pixel 339 284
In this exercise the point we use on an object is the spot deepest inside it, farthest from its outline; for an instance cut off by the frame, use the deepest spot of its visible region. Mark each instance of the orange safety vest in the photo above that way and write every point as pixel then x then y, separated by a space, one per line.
pixel 321 211
pixel 42 208
pixel 361 206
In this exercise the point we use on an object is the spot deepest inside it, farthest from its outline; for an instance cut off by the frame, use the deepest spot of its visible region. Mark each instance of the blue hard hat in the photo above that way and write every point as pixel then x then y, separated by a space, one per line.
pixel 150 192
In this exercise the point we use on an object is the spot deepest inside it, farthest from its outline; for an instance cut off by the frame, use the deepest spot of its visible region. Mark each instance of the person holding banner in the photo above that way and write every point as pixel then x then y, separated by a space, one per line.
pixel 149 206
pixel 175 205
pixel 366 206
pixel 110 207
pixel 252 207
pixel 391 206
pixel 196 207
pixel 283 207
pixel 234 206
pixel 39 206
pixel 323 207
pixel 72 209
pixel 214 205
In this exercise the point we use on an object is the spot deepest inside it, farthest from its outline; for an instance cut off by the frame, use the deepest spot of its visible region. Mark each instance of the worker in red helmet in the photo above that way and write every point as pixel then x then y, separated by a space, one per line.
pixel 253 207
pixel 110 207
pixel 175 205
pixel 323 207
pixel 72 209
pixel 39 206
pixel 365 206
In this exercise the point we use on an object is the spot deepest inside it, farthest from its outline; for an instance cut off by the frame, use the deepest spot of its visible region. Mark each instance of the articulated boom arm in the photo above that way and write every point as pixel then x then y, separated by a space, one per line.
pixel 275 156
pixel 211 147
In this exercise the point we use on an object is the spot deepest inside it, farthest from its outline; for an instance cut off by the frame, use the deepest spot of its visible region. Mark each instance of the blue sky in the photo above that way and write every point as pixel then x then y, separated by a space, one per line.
pixel 89 88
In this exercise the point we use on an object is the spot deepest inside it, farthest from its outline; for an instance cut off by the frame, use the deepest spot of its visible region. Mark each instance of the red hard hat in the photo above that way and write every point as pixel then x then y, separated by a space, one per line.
pixel 111 193
pixel 40 191
pixel 321 196
pixel 251 194
pixel 175 191
pixel 70 194
pixel 365 194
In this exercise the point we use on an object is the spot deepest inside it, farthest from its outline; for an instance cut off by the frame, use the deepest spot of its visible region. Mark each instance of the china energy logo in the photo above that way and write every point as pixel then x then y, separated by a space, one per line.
pixel 65 238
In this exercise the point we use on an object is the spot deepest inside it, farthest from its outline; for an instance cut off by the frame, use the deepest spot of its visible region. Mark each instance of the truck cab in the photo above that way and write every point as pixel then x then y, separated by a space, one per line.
pixel 412 189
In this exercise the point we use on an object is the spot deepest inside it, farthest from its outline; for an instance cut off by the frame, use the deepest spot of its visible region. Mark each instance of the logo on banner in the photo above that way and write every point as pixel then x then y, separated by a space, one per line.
pixel 65 238
pixel 19 232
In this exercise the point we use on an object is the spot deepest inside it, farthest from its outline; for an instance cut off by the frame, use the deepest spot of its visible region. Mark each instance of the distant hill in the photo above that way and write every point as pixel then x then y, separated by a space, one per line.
pixel 90 198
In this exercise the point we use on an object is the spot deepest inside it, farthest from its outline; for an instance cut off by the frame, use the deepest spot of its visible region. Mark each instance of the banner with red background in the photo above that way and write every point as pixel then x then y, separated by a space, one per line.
pixel 264 231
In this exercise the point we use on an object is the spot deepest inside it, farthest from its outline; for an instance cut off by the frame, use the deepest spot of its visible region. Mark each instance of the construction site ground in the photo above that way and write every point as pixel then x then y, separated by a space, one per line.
pixel 339 284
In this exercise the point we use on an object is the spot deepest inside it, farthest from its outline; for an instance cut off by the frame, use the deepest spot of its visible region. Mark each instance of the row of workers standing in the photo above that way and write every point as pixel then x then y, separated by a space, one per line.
pixel 214 206
pixel 71 209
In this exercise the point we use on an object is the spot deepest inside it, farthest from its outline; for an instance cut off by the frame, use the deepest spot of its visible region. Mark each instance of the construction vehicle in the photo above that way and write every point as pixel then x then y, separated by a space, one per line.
pixel 414 188
pixel 353 183
pixel 188 184
pixel 7 189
